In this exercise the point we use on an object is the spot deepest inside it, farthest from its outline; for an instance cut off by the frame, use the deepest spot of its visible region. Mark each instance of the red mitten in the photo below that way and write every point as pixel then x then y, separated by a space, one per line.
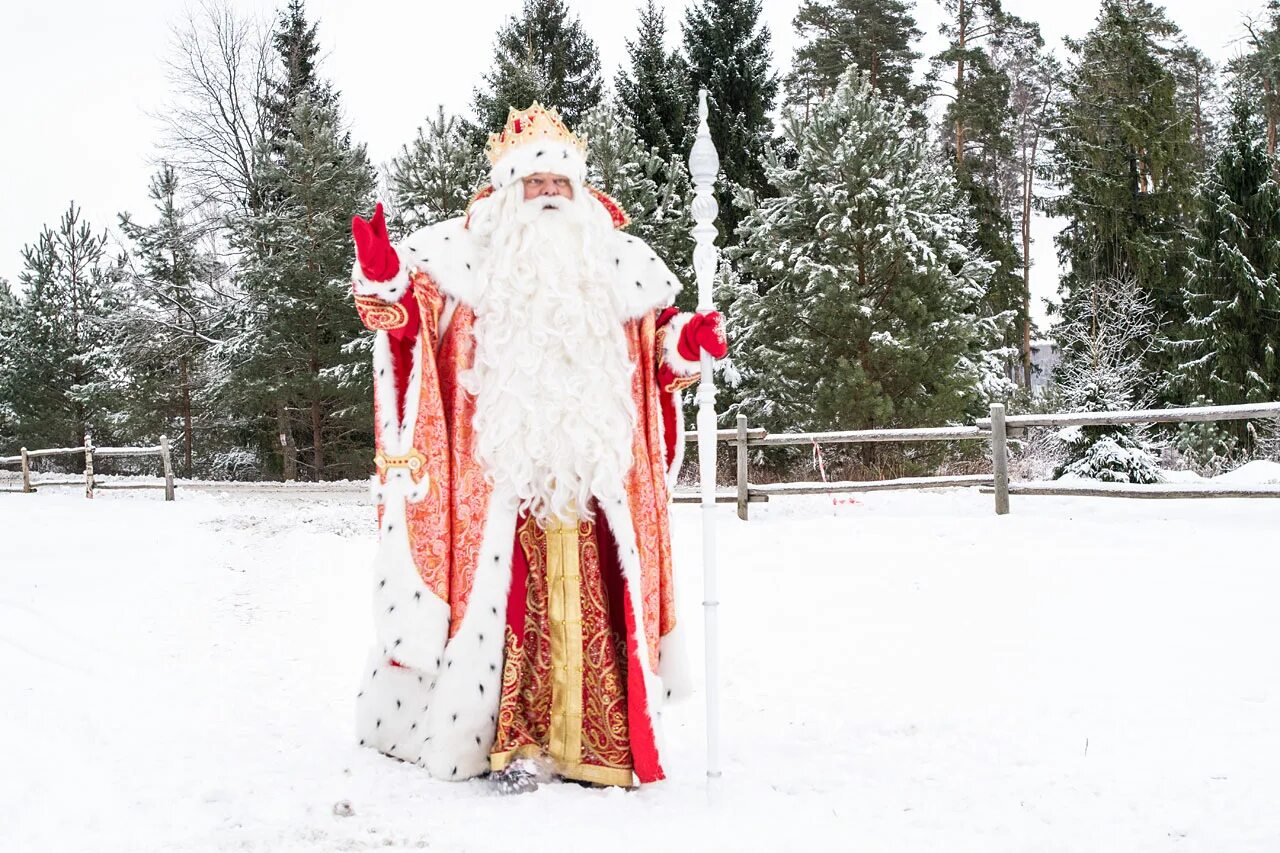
pixel 703 332
pixel 378 261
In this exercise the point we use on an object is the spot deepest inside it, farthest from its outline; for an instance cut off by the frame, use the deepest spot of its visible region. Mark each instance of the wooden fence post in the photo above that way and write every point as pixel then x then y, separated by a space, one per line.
pixel 167 460
pixel 26 471
pixel 88 464
pixel 743 493
pixel 1000 458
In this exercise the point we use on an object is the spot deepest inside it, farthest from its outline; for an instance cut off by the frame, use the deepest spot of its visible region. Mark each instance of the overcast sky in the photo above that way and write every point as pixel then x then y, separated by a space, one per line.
pixel 83 80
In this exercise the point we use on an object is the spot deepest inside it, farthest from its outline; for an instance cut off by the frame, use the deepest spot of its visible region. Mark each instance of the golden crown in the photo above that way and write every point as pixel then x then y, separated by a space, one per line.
pixel 525 126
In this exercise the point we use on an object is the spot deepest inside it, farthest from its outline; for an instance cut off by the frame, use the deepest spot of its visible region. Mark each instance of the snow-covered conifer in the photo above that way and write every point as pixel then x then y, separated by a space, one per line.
pixel 171 319
pixel 435 177
pixel 624 166
pixel 1230 347
pixel 541 54
pixel 857 306
pixel 64 358
pixel 300 360
pixel 654 87
pixel 1105 342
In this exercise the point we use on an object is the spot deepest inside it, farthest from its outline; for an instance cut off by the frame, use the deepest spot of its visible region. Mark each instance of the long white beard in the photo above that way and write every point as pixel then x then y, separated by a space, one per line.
pixel 552 376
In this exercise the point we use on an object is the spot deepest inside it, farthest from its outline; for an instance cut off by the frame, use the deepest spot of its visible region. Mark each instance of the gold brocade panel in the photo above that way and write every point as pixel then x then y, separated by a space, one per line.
pixel 564 675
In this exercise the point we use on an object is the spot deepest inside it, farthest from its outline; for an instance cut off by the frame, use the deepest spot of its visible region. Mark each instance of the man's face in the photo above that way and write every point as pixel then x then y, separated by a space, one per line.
pixel 547 184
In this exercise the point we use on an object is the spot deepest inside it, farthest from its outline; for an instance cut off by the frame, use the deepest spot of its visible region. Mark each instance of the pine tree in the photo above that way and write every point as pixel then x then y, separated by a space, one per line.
pixel 878 36
pixel 1123 153
pixel 728 51
pixel 977 134
pixel 1034 76
pixel 542 55
pixel 1197 99
pixel 167 326
pixel 655 89
pixel 436 176
pixel 622 165
pixel 302 355
pixel 858 306
pixel 977 111
pixel 63 359
pixel 1259 68
pixel 1231 344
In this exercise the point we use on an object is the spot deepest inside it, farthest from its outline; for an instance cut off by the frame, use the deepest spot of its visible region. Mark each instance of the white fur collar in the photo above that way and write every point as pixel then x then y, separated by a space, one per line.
pixel 644 281
pixel 446 252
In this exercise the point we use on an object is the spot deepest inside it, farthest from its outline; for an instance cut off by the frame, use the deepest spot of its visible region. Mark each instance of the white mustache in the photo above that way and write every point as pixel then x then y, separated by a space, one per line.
pixel 531 210
pixel 551 202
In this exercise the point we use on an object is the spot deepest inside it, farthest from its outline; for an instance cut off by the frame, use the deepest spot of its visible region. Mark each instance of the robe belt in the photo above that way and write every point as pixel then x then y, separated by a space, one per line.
pixel 413 461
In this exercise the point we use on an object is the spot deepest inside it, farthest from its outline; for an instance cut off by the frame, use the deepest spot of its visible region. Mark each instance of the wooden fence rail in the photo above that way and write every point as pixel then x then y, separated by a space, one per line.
pixel 744 438
pixel 91 452
pixel 996 430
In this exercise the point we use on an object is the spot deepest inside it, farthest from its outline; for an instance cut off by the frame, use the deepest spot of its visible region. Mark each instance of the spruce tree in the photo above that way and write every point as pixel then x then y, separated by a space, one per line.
pixel 655 88
pixel 1116 323
pixel 655 193
pixel 167 327
pixel 297 47
pixel 63 361
pixel 859 302
pixel 728 51
pixel 300 361
pixel 542 55
pixel 1122 151
pixel 435 177
pixel 877 36
pixel 1230 350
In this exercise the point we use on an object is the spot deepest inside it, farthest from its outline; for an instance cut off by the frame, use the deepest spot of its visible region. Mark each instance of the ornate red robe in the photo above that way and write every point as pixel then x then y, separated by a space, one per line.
pixel 451 578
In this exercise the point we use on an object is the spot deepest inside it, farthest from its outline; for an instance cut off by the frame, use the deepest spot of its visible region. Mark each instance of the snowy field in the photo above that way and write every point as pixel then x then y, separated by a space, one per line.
pixel 908 672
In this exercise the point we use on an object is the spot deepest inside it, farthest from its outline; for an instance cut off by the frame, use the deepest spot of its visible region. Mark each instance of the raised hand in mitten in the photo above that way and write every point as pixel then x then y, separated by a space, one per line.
pixel 378 261
pixel 703 332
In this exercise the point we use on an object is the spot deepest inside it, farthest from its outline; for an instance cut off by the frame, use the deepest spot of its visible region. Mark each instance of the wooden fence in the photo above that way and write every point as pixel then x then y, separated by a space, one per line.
pixel 745 493
pixel 999 425
pixel 91 452
pixel 996 430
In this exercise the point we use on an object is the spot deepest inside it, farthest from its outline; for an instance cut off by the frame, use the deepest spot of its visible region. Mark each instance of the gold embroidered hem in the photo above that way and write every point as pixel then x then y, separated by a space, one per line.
pixel 563 684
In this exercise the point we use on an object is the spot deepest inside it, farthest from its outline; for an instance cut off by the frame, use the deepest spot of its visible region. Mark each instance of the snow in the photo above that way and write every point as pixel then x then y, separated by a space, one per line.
pixel 1259 472
pixel 906 672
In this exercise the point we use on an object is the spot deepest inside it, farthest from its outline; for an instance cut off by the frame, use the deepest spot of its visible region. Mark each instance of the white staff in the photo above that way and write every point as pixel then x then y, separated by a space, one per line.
pixel 704 165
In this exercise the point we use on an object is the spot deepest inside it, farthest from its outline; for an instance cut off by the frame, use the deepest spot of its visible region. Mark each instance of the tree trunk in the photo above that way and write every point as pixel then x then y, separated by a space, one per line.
pixel 1028 200
pixel 317 438
pixel 186 417
pixel 288 449
pixel 963 30
pixel 317 416
pixel 1268 86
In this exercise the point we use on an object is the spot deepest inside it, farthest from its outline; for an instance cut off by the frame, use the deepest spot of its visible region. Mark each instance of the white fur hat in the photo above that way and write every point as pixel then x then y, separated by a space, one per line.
pixel 535 140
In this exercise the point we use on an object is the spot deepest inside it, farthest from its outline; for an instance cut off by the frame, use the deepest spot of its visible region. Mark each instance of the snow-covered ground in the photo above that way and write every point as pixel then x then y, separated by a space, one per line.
pixel 908 672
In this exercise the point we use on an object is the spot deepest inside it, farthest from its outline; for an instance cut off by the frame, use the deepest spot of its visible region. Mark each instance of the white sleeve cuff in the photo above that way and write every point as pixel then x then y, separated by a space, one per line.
pixel 670 346
pixel 387 291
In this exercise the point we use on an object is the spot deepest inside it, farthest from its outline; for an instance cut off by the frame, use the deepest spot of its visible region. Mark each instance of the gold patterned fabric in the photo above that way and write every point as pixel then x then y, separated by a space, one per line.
pixel 564 675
